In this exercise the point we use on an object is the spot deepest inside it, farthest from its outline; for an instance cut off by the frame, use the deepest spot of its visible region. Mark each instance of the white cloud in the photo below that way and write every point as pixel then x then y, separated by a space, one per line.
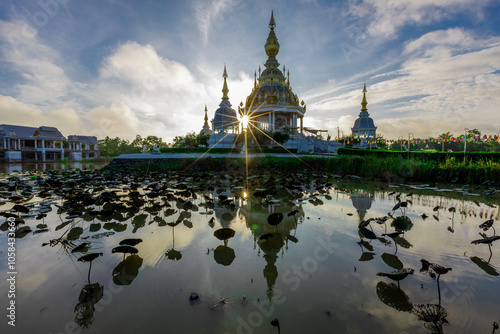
pixel 208 11
pixel 449 82
pixel 17 113
pixel 42 80
pixel 67 120
pixel 115 120
pixel 162 94
pixel 453 37
pixel 385 17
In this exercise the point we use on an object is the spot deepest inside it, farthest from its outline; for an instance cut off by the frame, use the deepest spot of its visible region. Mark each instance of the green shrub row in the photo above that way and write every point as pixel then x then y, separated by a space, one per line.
pixel 425 156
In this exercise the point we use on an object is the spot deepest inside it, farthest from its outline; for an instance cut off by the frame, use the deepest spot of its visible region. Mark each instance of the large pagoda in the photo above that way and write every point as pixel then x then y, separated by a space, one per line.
pixel 272 105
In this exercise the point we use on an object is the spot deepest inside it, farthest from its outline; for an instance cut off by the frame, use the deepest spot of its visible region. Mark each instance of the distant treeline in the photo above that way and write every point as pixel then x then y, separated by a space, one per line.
pixel 112 147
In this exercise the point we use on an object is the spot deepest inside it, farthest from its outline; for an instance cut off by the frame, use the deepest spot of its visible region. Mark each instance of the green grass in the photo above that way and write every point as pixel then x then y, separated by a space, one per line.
pixel 389 169
pixel 428 155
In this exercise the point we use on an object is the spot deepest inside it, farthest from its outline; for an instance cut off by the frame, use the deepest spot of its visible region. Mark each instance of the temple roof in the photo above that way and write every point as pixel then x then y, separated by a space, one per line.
pixel 224 115
pixel 271 87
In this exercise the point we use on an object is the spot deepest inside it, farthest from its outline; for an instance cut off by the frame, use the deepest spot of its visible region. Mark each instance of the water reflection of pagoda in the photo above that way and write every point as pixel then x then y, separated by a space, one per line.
pixel 225 214
pixel 272 240
pixel 362 202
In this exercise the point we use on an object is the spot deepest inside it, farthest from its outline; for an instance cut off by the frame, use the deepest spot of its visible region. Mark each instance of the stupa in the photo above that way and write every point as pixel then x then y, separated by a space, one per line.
pixel 363 128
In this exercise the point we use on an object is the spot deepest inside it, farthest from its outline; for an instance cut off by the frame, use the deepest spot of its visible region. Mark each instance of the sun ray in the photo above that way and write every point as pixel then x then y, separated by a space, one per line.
pixel 283 147
pixel 204 153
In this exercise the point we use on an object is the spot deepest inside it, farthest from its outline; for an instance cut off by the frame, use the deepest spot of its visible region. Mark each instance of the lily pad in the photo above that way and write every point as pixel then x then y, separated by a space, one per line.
pixel 275 218
pixel 173 254
pixel 127 270
pixel 488 268
pixel 392 261
pixel 402 223
pixel 75 233
pixel 95 227
pixel 22 232
pixel 224 233
pixel 62 225
pixel 224 255
pixel 366 256
pixel 391 295
pixel 403 242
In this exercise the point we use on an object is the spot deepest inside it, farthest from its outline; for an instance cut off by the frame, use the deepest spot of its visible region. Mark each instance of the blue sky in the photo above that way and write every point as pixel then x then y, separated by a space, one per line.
pixel 121 68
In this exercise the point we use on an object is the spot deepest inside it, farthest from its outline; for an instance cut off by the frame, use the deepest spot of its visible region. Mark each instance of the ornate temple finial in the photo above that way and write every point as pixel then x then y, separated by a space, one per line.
pixel 272 46
pixel 363 102
pixel 272 24
pixel 225 90
pixel 288 78
pixel 206 116
pixel 255 79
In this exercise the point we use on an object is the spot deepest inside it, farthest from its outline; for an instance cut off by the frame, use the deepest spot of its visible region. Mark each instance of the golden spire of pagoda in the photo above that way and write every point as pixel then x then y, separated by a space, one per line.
pixel 363 102
pixel 272 46
pixel 206 116
pixel 272 24
pixel 225 90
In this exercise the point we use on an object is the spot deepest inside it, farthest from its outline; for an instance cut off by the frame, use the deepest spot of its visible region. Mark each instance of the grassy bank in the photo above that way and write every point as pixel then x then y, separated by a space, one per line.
pixel 389 169
pixel 424 155
pixel 398 168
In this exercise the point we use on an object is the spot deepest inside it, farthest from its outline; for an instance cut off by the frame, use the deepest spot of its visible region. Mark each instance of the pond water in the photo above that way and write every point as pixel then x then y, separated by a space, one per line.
pixel 297 259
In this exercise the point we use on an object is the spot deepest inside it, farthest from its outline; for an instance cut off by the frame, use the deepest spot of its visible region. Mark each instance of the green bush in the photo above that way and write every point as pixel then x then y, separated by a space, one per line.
pixel 425 155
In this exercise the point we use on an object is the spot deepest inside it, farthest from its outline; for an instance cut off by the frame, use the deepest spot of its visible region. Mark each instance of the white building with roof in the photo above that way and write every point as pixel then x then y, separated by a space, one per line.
pixel 45 143
pixel 82 147
pixel 30 143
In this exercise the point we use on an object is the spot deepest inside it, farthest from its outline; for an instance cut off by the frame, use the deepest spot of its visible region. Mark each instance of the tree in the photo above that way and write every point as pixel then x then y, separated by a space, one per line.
pixel 178 141
pixel 191 139
pixel 151 141
pixel 445 136
pixel 112 147
pixel 280 136
pixel 381 143
pixel 138 142
pixel 203 139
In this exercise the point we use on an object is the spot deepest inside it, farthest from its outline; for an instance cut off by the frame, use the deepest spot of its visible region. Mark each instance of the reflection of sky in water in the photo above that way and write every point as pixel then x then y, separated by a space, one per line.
pixel 307 274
